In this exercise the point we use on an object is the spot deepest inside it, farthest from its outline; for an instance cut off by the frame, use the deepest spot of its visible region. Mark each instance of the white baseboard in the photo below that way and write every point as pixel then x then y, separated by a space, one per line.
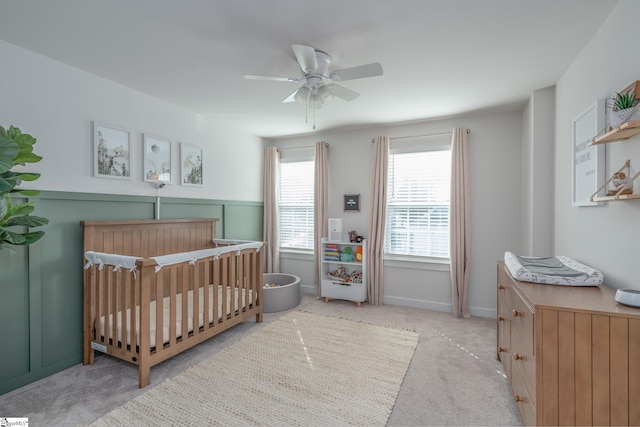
pixel 422 304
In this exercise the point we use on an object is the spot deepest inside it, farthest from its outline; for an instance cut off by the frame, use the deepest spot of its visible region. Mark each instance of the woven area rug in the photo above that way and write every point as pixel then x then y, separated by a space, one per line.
pixel 302 369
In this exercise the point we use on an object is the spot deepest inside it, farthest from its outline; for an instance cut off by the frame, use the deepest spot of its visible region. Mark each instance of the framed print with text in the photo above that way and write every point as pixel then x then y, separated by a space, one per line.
pixel 587 161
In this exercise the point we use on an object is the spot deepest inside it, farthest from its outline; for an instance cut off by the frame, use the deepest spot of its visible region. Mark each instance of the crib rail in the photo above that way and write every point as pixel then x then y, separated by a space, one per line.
pixel 148 314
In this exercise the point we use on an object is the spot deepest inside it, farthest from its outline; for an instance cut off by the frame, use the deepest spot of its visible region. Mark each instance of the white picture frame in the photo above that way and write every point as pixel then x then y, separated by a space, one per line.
pixel 156 159
pixel 191 165
pixel 587 161
pixel 111 151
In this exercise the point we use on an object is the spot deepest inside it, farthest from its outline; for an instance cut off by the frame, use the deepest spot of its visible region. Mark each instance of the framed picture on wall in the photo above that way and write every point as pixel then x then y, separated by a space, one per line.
pixel 157 159
pixel 351 202
pixel 191 165
pixel 111 151
pixel 588 161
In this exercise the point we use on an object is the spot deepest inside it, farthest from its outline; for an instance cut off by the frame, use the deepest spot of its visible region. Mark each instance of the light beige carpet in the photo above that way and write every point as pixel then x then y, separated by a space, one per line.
pixel 299 369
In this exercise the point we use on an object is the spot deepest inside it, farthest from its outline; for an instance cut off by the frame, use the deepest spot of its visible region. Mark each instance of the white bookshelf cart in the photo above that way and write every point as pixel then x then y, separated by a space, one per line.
pixel 346 280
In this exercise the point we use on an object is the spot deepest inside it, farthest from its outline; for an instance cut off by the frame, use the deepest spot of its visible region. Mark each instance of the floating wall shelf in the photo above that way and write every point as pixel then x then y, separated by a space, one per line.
pixel 624 131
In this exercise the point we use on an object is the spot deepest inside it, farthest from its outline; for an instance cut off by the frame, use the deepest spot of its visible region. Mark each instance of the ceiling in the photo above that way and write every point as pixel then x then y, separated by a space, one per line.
pixel 440 58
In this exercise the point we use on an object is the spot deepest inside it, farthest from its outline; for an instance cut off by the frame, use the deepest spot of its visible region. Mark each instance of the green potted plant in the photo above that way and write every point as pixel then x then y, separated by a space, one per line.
pixel 624 108
pixel 16 148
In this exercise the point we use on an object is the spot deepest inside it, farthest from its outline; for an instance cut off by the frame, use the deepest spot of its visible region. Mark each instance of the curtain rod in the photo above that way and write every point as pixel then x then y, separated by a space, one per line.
pixel 423 136
pixel 303 146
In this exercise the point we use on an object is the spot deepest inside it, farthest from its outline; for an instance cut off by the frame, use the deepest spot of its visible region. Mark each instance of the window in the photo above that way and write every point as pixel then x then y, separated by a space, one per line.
pixel 418 202
pixel 295 203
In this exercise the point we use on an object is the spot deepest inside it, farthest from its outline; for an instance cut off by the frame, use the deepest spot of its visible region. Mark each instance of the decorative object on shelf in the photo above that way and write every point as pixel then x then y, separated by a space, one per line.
pixel 352 202
pixel 358 254
pixel 16 148
pixel 625 106
pixel 622 185
pixel 354 237
pixel 347 255
pixel 111 152
pixel 588 161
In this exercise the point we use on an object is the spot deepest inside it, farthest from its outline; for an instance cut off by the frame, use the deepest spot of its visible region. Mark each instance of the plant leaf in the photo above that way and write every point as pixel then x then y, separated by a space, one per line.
pixel 22 209
pixel 29 193
pixel 28 176
pixel 12 238
pixel 23 158
pixel 6 248
pixel 27 221
pixel 8 151
pixel 31 237
pixel 4 207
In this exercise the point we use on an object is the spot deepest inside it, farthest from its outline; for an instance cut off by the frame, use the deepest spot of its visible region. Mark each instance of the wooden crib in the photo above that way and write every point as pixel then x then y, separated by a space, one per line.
pixel 137 275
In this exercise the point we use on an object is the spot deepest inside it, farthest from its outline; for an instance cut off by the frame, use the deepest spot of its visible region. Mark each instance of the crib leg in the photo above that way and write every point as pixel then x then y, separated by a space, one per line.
pixel 259 317
pixel 144 374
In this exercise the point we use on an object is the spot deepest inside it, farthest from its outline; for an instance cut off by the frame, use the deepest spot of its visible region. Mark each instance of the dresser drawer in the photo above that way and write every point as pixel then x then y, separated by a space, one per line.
pixel 524 401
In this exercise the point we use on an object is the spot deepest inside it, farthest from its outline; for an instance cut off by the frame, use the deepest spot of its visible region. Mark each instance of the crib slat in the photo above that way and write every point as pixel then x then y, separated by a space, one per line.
pixel 215 281
pixel 185 302
pixel 159 320
pixel 107 303
pixel 206 274
pixel 116 308
pixel 124 307
pixel 173 274
pixel 195 312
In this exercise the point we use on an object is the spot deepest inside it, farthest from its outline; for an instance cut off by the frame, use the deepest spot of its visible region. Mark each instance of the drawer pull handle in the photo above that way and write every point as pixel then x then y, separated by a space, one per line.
pixel 518 398
pixel 500 318
pixel 517 356
pixel 501 286
pixel 501 349
pixel 516 313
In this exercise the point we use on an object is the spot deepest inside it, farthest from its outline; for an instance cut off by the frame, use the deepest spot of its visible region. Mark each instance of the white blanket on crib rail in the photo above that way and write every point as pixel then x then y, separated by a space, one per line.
pixel 194 256
pixel 117 261
pixel 232 295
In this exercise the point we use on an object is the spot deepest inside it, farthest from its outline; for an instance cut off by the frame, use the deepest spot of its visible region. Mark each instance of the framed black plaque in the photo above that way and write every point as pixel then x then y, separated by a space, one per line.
pixel 351 202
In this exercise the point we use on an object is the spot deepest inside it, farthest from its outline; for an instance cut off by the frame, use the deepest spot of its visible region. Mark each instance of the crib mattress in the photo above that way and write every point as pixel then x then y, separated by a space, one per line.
pixel 232 296
pixel 556 270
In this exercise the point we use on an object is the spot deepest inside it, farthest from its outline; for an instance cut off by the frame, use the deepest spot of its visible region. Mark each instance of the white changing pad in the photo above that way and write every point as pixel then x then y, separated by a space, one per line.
pixel 232 296
pixel 557 270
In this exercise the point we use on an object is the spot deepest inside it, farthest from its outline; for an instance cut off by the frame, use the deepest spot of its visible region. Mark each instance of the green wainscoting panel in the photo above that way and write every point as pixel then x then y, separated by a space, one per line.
pixel 41 286
pixel 14 314
pixel 193 208
pixel 240 221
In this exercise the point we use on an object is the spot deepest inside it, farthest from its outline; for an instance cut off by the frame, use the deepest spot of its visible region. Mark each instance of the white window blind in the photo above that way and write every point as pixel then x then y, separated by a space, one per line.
pixel 295 202
pixel 418 203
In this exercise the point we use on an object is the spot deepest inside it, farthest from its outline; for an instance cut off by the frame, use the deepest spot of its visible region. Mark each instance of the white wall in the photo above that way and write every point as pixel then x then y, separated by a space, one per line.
pixel 604 237
pixel 537 173
pixel 495 145
pixel 57 104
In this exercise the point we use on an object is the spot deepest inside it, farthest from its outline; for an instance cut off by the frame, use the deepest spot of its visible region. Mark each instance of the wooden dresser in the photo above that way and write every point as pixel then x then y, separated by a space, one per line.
pixel 572 354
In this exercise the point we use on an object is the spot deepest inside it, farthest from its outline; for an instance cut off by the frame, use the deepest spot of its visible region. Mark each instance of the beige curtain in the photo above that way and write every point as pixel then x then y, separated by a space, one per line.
pixel 377 219
pixel 271 233
pixel 460 223
pixel 321 208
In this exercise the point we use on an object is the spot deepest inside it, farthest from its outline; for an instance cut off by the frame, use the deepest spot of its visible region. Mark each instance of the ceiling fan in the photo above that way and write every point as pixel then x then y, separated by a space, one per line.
pixel 320 85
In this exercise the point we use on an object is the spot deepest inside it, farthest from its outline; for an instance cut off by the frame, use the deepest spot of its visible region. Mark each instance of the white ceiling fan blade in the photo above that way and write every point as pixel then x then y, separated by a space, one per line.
pixel 292 97
pixel 359 72
pixel 343 92
pixel 272 78
pixel 306 57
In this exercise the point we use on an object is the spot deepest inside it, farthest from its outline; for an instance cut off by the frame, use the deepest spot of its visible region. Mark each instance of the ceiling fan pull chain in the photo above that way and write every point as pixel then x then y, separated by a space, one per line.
pixel 314 112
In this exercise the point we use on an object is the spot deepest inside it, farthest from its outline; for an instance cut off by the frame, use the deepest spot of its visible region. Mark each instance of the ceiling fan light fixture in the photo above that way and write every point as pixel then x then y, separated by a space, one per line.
pixel 325 94
pixel 302 96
